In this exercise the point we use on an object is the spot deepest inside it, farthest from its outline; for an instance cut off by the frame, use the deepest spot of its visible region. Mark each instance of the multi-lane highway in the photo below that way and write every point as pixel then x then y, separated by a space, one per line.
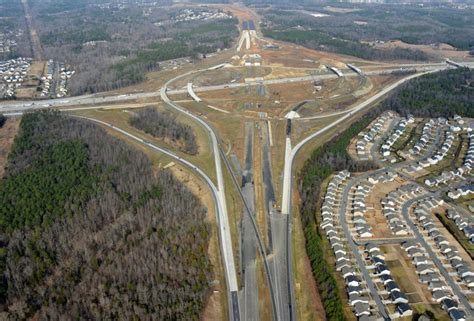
pixel 259 241
pixel 224 227
pixel 104 98
pixel 249 301
pixel 221 213
pixel 276 266
pixel 276 290
pixel 281 282
pixel 290 154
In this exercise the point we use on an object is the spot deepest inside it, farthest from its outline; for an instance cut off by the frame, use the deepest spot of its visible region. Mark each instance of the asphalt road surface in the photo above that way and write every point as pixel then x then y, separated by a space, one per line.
pixel 279 265
pixel 233 291
pixel 219 192
pixel 290 154
pixel 104 98
pixel 223 218
pixel 355 250
pixel 420 239
pixel 249 300
pixel 258 238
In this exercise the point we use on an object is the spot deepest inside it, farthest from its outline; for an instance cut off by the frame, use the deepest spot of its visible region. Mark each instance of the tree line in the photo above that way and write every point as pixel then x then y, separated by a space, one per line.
pixel 90 232
pixel 114 45
pixel 325 160
pixel 3 120
pixel 321 41
pixel 431 24
pixel 439 94
pixel 13 27
pixel 315 33
pixel 164 125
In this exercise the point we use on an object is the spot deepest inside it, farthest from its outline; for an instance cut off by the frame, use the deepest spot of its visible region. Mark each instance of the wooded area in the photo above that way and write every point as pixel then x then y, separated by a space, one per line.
pixel 164 125
pixel 321 41
pixel 13 28
pixel 325 160
pixel 112 45
pixel 3 119
pixel 440 94
pixel 350 27
pixel 89 232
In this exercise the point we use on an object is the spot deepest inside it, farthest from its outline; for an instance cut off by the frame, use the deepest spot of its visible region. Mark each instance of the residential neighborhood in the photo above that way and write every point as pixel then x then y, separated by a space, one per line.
pixel 7 43
pixel 393 219
pixel 200 15
pixel 13 74
pixel 237 160
pixel 25 78
pixel 54 80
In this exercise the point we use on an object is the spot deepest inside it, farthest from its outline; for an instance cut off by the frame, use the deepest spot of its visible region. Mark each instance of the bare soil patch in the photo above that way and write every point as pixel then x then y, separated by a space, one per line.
pixel 7 136
pixel 439 50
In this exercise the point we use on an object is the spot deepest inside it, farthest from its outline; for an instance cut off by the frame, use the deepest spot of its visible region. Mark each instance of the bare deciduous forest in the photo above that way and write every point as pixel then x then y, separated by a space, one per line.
pixel 89 232
pixel 112 45
pixel 164 125
pixel 353 29
pixel 13 28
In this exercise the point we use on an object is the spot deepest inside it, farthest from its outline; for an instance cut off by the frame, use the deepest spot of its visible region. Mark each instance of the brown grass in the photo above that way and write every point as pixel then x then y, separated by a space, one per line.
pixel 263 292
pixel 7 136
pixel 439 51
pixel 260 206
pixel 308 301
pixel 119 118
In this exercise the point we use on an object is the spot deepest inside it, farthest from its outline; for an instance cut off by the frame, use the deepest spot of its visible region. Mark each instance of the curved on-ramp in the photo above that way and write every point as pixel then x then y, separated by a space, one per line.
pixel 290 153
pixel 216 147
pixel 220 211
pixel 196 98
pixel 191 92
pixel 224 228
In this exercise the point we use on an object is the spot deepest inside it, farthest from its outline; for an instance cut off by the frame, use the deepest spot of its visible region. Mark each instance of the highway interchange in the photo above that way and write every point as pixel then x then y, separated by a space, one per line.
pixel 278 264
pixel 101 98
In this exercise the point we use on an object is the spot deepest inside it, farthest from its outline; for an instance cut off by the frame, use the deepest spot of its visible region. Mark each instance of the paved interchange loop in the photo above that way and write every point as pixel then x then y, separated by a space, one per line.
pixel 218 191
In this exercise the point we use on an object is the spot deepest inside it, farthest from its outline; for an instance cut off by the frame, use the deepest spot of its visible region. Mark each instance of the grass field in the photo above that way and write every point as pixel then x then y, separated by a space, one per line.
pixel 120 118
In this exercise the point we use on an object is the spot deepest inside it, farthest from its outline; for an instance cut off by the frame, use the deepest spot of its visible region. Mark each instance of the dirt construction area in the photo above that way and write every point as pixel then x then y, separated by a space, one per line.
pixel 277 99
pixel 374 215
